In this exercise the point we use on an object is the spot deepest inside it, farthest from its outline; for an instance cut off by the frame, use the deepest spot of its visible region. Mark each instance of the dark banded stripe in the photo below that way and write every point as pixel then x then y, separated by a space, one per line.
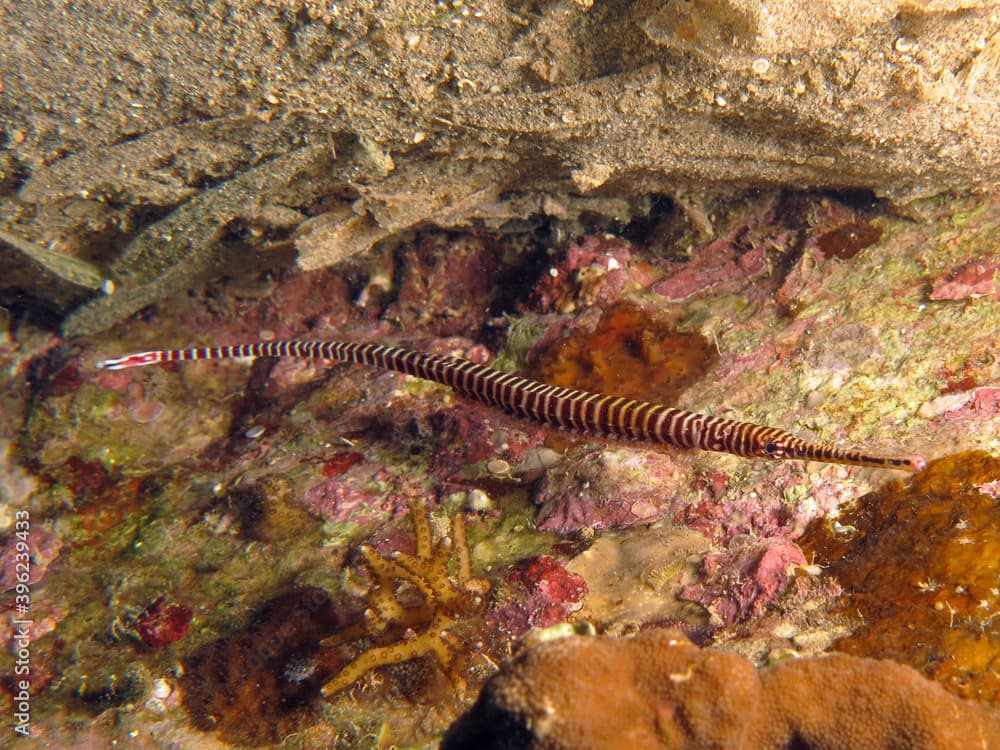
pixel 563 407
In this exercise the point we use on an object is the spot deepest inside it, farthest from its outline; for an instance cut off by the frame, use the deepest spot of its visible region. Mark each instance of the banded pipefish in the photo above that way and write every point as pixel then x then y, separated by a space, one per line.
pixel 568 408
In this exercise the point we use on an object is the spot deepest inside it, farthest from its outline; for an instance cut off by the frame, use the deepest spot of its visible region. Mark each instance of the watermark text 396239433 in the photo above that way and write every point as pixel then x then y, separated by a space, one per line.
pixel 22 624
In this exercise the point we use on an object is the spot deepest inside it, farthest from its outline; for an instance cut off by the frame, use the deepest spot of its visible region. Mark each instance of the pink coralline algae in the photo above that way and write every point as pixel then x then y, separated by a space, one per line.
pixel 336 499
pixel 545 576
pixel 981 403
pixel 595 271
pixel 722 512
pixel 602 488
pixel 741 583
pixel 976 279
pixel 714 264
pixel 43 547
pixel 553 594
pixel 713 510
pixel 321 301
pixel 431 272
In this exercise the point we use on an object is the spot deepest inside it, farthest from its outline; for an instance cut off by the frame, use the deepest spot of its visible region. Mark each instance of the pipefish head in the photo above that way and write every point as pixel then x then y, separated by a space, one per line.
pixel 783 446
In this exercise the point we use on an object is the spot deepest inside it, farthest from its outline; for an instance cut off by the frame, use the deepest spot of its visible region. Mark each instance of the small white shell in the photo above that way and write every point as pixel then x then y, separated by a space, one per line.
pixel 162 689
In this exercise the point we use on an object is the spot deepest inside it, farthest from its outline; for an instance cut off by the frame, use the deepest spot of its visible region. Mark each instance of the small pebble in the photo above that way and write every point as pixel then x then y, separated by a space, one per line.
pixel 539 459
pixel 498 466
pixel 254 432
pixel 478 500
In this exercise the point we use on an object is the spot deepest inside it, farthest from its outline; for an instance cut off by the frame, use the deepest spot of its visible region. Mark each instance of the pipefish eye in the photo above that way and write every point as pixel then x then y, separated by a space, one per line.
pixel 773 449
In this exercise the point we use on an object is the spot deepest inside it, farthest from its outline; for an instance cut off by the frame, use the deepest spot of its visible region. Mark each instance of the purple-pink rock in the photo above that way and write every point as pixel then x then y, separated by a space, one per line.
pixel 602 488
pixel 976 279
pixel 740 583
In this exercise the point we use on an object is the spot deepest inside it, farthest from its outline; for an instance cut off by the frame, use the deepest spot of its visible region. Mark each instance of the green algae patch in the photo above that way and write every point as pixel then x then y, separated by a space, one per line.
pixel 514 537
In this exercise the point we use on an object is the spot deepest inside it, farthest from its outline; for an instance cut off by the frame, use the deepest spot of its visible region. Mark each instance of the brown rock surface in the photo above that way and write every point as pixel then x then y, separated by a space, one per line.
pixel 167 142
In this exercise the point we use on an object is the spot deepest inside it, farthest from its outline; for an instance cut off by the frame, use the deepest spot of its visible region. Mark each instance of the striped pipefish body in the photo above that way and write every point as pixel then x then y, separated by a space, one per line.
pixel 549 404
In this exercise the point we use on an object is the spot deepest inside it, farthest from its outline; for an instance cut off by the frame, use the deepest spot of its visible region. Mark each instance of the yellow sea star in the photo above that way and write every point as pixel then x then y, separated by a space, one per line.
pixel 447 600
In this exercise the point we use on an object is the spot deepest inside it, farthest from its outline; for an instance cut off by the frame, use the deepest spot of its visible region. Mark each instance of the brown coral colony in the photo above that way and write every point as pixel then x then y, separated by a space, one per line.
pixel 669 694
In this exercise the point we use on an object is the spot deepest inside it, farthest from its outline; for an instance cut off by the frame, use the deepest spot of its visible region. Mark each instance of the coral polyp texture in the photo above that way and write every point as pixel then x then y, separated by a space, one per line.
pixel 261 682
pixel 428 626
pixel 627 352
pixel 920 564
pixel 658 691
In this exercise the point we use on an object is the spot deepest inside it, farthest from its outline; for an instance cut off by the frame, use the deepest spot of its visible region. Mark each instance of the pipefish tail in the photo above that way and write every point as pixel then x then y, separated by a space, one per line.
pixel 572 409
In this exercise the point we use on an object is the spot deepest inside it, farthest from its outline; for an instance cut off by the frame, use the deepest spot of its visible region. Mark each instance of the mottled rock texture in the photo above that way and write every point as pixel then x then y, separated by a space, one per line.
pixel 658 690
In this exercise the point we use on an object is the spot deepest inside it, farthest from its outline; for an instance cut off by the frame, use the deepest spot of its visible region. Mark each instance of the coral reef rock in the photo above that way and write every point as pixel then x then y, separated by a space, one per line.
pixel 658 690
